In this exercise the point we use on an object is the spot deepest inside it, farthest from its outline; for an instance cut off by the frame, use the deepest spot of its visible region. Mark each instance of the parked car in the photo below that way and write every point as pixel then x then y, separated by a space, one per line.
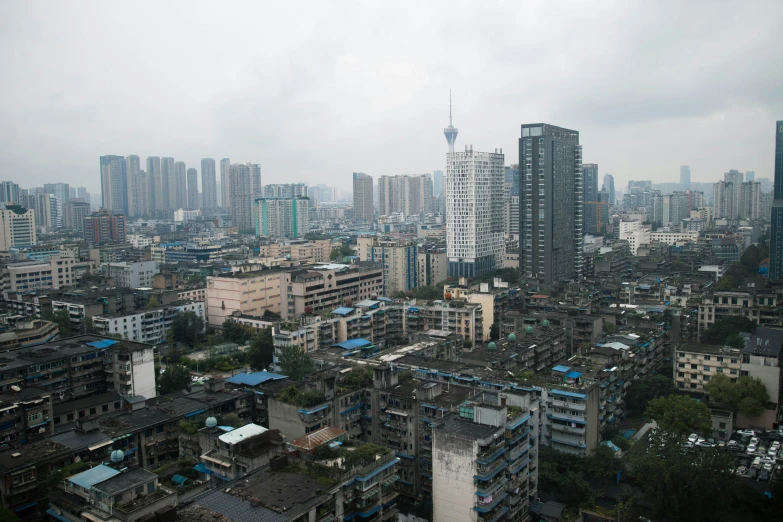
pixel 772 451
pixel 733 445
pixel 767 466
pixel 763 475
pixel 754 440
pixel 722 444
pixel 747 433
pixel 741 470
pixel 751 449
pixel 705 444
pixel 693 438
pixel 776 445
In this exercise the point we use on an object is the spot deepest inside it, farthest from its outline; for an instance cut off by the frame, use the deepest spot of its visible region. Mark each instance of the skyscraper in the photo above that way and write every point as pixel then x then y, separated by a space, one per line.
pixel 685 177
pixel 776 243
pixel 241 196
pixel 167 183
pixel 735 178
pixel 437 186
pixel 209 194
pixel 591 212
pixel 551 203
pixel 192 202
pixel 10 193
pixel 410 195
pixel 255 179
pixel 450 132
pixel 282 217
pixel 608 186
pixel 474 212
pixel 114 188
pixel 136 197
pixel 61 191
pixel 225 172
pixel 154 184
pixel 750 175
pixel 81 193
pixel 363 209
pixel 178 186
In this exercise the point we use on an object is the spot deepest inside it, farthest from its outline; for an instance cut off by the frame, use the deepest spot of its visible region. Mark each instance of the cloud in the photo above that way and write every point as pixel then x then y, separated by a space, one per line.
pixel 316 90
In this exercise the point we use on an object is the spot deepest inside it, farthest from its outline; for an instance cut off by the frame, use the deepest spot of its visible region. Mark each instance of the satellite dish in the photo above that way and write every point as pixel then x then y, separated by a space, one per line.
pixel 16 388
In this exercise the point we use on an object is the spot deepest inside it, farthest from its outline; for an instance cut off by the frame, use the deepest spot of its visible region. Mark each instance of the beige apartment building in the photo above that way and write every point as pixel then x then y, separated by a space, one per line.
pixel 399 260
pixel 696 364
pixel 326 287
pixel 56 272
pixel 317 251
pixel 433 267
pixel 250 293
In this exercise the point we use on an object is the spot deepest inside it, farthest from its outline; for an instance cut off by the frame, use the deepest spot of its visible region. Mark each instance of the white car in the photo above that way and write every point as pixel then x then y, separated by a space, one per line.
pixel 754 440
pixel 776 445
pixel 746 433
pixel 705 444
pixel 751 449
pixel 772 451
pixel 693 438
pixel 768 466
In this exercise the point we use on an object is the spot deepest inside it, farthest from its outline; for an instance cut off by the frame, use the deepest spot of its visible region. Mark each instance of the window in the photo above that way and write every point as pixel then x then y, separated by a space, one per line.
pixel 159 429
pixel 35 417
pixel 93 411
pixel 148 433
pixel 70 416
pixel 105 407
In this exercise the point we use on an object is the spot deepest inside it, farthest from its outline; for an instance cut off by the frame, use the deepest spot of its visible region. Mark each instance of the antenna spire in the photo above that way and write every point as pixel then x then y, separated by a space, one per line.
pixel 449 107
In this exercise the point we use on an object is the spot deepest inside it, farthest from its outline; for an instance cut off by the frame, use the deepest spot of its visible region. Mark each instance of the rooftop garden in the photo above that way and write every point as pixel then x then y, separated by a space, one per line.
pixel 302 398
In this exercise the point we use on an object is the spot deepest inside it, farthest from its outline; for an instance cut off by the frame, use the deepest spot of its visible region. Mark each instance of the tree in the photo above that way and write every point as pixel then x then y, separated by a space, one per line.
pixel 428 293
pixel 235 332
pixel 610 329
pixel 494 332
pixel 63 321
pixel 643 390
pixel 231 419
pixel 723 328
pixel 294 362
pixel 153 302
pixel 175 378
pixel 680 415
pixel 6 515
pixel 681 485
pixel 187 328
pixel 261 351
pixel 747 395
pixel 88 327
pixel 342 252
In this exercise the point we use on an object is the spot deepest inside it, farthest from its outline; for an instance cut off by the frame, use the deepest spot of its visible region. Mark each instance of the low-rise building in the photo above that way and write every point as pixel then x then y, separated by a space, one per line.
pixel 56 272
pixel 132 275
pixel 251 293
pixel 696 363
pixel 146 326
pixel 232 453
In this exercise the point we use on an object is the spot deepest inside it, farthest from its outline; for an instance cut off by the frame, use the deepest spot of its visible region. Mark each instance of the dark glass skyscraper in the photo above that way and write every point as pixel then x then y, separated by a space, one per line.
pixel 550 203
pixel 590 175
pixel 776 242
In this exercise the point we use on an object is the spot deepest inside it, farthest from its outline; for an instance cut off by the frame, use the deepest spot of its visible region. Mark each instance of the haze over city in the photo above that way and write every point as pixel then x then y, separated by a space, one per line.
pixel 313 92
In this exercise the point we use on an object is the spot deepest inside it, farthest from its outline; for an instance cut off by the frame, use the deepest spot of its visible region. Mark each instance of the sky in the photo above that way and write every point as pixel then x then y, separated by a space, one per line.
pixel 314 91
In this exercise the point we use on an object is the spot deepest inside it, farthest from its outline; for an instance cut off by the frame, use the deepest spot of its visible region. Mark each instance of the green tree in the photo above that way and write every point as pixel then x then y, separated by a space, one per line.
pixel 693 486
pixel 88 327
pixel 341 252
pixel 747 394
pixel 187 328
pixel 294 362
pixel 261 351
pixel 231 419
pixel 6 515
pixel 235 332
pixel 63 321
pixel 723 328
pixel 494 332
pixel 176 377
pixel 153 302
pixel 428 293
pixel 643 390
pixel 680 415
pixel 610 329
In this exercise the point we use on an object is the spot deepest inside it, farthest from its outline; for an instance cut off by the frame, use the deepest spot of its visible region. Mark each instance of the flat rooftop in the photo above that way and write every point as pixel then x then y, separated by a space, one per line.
pixel 453 424
pixel 709 349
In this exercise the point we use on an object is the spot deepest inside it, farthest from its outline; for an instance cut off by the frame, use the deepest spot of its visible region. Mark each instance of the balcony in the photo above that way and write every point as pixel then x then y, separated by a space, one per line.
pixel 578 406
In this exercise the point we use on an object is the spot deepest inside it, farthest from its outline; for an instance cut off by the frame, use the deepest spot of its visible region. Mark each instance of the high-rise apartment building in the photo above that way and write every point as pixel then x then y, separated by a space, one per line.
pixel 750 175
pixel 590 177
pixel 137 186
pixel 285 190
pixel 255 179
pixel 363 209
pixel 114 185
pixel 608 186
pixel 551 203
pixel 776 242
pixel 240 196
pixel 61 191
pixel 178 186
pixel 511 216
pixel 685 177
pixel 437 186
pixel 103 227
pixel 10 192
pixel 225 173
pixel 209 195
pixel 750 205
pixel 154 184
pixel 17 227
pixel 399 259
pixel 474 212
pixel 282 217
pixel 74 213
pixel 735 178
pixel 81 193
pixel 192 202
pixel 409 195
pixel 167 183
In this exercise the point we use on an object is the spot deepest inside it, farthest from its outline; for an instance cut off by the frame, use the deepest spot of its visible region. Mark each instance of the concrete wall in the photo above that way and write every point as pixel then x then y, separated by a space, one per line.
pixel 144 373
pixel 286 418
pixel 769 375
pixel 453 492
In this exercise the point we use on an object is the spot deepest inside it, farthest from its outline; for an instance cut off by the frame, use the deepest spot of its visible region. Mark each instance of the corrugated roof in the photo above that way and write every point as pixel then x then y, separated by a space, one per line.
pixel 256 378
pixel 89 478
pixel 561 368
pixel 343 310
pixel 105 343
pixel 243 433
pixel 353 343
pixel 316 438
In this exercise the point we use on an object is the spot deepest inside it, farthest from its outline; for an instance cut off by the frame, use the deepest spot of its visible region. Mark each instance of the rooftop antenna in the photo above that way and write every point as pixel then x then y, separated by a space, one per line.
pixel 449 107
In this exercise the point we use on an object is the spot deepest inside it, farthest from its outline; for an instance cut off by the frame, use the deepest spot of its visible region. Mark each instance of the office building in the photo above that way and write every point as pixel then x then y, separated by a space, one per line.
pixel 608 186
pixel 209 195
pixel 685 177
pixel 17 227
pixel 282 217
pixel 408 195
pixel 437 187
pixel 103 227
pixel 10 192
pixel 74 213
pixel 225 174
pixel 154 184
pixel 192 202
pixel 114 186
pixel 363 209
pixel 241 196
pixel 474 212
pixel 776 240
pixel 551 203
pixel 230 293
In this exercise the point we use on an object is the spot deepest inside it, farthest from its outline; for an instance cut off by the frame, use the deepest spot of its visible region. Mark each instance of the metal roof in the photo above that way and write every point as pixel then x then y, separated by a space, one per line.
pixel 243 433
pixel 89 478
pixel 353 343
pixel 316 438
pixel 256 378
pixel 343 310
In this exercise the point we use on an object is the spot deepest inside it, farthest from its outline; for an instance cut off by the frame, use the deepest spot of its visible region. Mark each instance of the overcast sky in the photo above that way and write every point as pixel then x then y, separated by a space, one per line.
pixel 315 91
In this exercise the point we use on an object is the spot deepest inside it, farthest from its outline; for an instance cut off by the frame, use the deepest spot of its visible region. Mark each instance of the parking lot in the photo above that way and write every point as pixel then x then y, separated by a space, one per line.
pixel 759 456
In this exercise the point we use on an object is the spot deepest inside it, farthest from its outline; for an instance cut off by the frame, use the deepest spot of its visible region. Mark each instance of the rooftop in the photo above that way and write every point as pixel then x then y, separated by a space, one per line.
pixel 282 492
pixel 92 476
pixel 765 341
pixel 240 434
pixel 312 440
pixel 453 424
pixel 708 349
pixel 125 481
pixel 218 506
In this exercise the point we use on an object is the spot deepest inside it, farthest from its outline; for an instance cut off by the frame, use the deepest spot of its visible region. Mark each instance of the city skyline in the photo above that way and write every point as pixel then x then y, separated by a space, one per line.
pixel 64 111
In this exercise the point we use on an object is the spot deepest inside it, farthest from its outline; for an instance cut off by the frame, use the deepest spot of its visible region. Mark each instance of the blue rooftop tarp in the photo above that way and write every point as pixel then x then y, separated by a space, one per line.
pixel 226 428
pixel 105 343
pixel 179 479
pixel 87 479
pixel 573 375
pixel 256 378
pixel 561 368
pixel 343 310
pixel 569 394
pixel 352 344
pixel 194 413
